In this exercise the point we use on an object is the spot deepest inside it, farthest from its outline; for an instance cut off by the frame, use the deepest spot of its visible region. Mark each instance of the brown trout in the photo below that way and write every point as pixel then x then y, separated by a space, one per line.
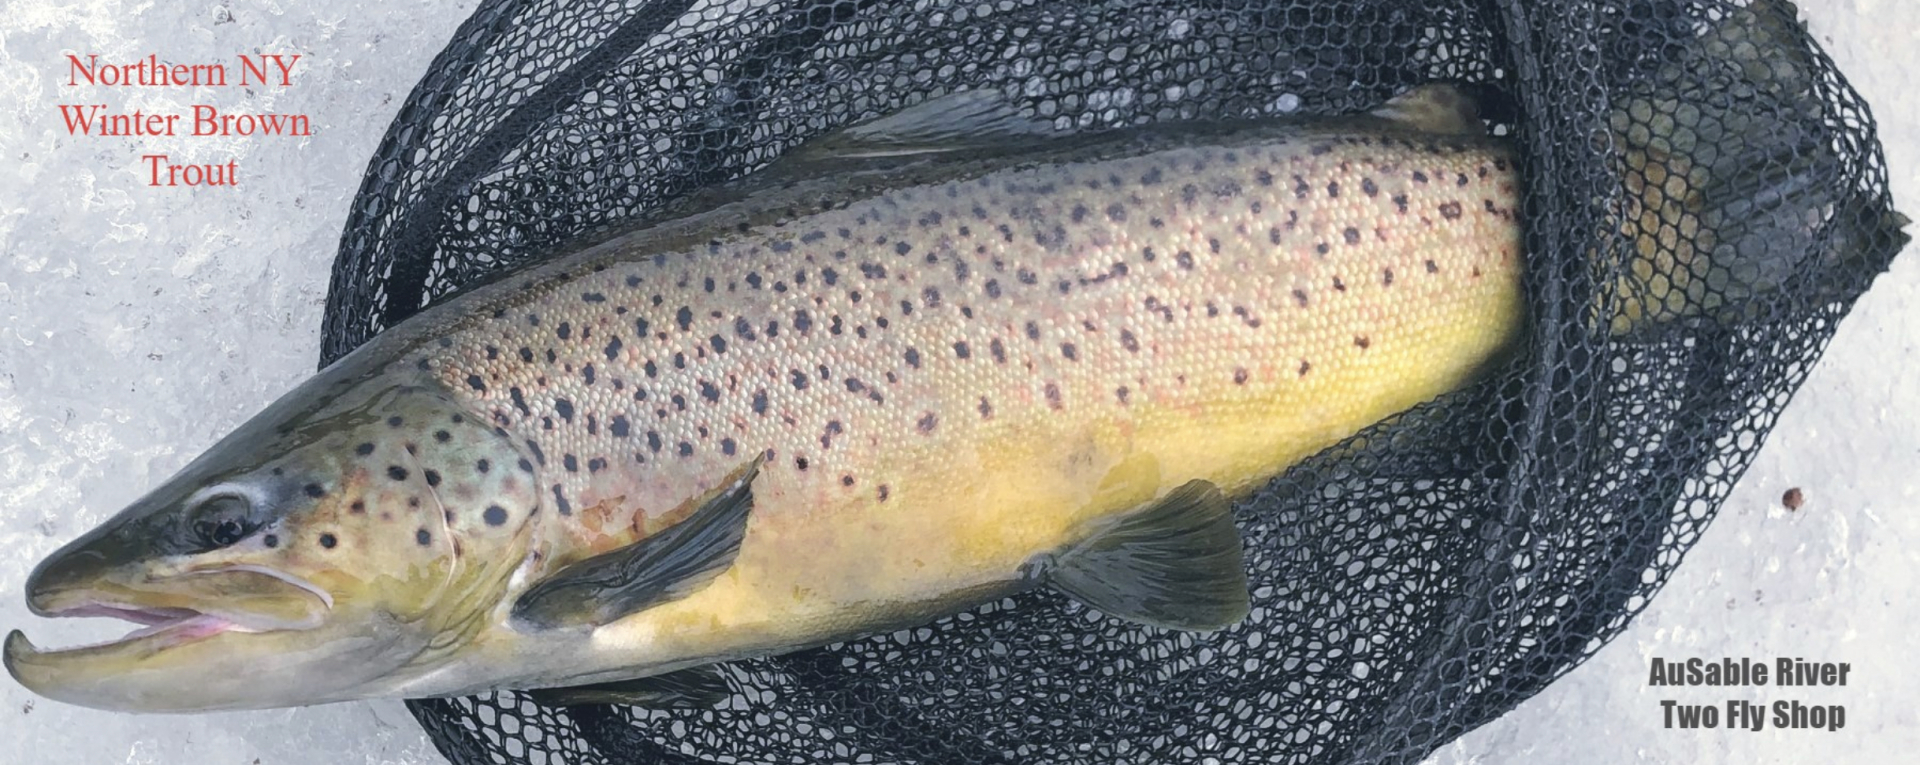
pixel 922 364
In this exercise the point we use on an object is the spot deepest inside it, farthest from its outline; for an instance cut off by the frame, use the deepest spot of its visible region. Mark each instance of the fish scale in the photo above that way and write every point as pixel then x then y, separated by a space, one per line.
pixel 952 375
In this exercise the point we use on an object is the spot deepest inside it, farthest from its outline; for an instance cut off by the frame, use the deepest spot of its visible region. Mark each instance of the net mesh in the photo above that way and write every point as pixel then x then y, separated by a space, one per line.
pixel 1409 585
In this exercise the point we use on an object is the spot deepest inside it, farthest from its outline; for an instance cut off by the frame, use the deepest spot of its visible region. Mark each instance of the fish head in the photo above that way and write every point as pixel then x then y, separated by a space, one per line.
pixel 332 548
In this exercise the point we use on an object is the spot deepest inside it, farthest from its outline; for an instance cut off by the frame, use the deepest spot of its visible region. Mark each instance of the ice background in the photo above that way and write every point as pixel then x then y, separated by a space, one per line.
pixel 138 324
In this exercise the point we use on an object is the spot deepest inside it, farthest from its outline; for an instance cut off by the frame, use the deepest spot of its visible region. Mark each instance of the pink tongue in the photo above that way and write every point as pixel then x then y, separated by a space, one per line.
pixel 198 626
pixel 149 616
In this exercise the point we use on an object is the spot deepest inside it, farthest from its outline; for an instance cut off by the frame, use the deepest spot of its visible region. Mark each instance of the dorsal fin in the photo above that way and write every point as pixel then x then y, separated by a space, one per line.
pixel 969 119
pixel 1435 108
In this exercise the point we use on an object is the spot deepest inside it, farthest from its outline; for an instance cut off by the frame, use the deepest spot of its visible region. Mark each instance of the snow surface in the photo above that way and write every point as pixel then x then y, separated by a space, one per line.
pixel 137 325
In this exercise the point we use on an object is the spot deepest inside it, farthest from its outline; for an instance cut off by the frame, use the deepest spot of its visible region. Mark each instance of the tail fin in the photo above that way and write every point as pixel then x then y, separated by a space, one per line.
pixel 1735 186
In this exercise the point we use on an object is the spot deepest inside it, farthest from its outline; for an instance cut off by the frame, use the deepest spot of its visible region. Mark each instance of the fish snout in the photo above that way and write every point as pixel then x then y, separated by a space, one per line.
pixel 57 584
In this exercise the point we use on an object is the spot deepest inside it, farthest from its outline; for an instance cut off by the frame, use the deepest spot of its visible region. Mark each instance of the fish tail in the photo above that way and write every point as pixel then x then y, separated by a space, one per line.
pixel 1736 186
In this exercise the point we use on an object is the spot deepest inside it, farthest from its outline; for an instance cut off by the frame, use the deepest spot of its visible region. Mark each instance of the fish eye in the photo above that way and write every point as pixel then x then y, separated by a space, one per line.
pixel 221 521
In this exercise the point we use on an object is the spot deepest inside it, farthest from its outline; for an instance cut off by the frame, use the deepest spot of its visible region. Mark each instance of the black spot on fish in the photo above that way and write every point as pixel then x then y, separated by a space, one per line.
pixel 271 540
pixel 1432 267
pixel 1386 277
pixel 913 357
pixel 396 472
pixel 1419 177
pixel 587 374
pixel 961 350
pixel 902 248
pixel 1300 296
pixel 363 449
pixel 564 408
pixel 1321 248
pixel 1333 189
pixel 1239 375
pixel 433 478
pixel 483 465
pixel 1071 352
pixel 565 330
pixel 314 490
pixel 539 455
pixel 560 498
pixel 1033 331
pixel 422 538
pixel 596 465
pixel 1450 210
pixel 394 422
pixel 358 507
pixel 997 350
pixel 686 449
pixel 1368 187
pixel 526 354
pixel 1362 341
pixel 718 343
pixel 1152 177
pixel 1351 234
pixel 1300 188
pixel 684 317
pixel 846 480
pixel 1027 276
pixel 495 515
pixel 474 382
pixel 1052 392
pixel 593 297
pixel 1184 259
pixel 709 391
pixel 799 379
pixel 986 409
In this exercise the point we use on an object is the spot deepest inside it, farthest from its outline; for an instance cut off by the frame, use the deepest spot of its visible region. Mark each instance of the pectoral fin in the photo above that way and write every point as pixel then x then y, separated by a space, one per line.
pixel 661 568
pixel 696 688
pixel 1176 563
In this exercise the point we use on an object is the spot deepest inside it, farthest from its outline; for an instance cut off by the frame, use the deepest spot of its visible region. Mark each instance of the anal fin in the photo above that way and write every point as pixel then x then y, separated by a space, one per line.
pixel 664 567
pixel 696 688
pixel 1175 562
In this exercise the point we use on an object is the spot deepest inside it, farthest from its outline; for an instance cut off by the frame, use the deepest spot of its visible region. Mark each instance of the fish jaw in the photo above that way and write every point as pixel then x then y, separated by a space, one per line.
pixel 183 618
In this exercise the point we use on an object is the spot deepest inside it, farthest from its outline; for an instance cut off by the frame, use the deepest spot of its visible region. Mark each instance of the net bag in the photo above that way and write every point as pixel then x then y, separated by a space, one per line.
pixel 1409 585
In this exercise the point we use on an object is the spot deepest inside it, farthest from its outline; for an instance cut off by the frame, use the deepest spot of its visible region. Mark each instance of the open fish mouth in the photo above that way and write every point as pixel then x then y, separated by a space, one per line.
pixel 159 628
pixel 187 628
pixel 178 610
